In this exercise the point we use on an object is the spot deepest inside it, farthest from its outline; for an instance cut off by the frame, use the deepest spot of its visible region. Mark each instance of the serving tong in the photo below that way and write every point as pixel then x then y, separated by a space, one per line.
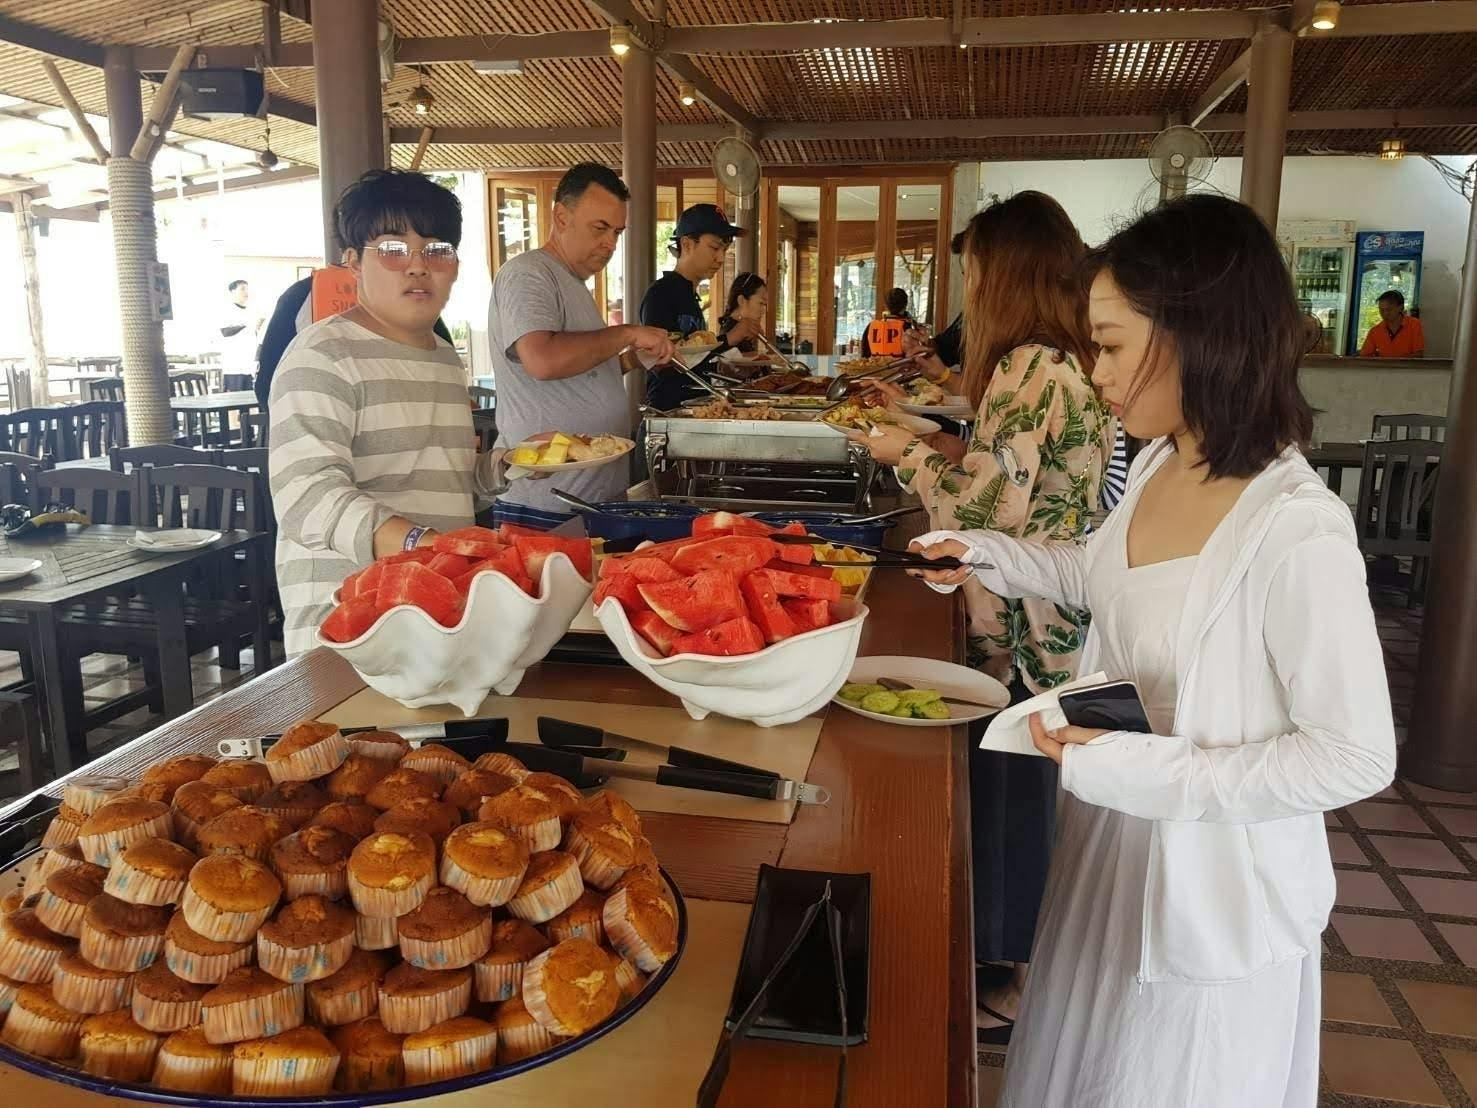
pixel 883 559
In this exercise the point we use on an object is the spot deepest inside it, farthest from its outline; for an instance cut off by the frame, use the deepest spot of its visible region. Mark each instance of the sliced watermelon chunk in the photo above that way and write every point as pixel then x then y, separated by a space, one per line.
pixel 736 636
pixel 807 615
pixel 642 569
pixel 506 562
pixel 738 554
pixel 412 583
pixel 535 550
pixel 698 602
pixel 796 554
pixel 510 531
pixel 825 573
pixel 764 608
pixel 421 555
pixel 449 565
pixel 656 630
pixel 796 528
pixel 625 589
pixel 350 620
pixel 468 542
pixel 366 580
pixel 802 585
pixel 729 523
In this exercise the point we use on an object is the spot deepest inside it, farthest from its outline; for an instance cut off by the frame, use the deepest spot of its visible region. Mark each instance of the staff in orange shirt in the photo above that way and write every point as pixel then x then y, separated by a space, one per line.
pixel 884 335
pixel 1396 335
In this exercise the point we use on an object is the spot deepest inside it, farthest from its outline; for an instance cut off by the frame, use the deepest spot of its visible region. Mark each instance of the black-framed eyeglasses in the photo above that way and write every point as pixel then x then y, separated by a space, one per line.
pixel 396 254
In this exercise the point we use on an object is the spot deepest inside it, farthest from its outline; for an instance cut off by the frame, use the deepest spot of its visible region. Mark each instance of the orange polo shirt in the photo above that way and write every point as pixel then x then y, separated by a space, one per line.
pixel 1408 342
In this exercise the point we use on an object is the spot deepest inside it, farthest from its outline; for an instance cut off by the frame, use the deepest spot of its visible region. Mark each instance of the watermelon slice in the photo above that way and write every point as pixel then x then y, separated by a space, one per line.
pixel 729 523
pixel 796 528
pixel 656 630
pixel 764 608
pixel 506 562
pixel 737 636
pixel 739 554
pixel 825 573
pixel 642 569
pixel 698 602
pixel 626 589
pixel 510 531
pixel 469 542
pixel 449 565
pixel 801 585
pixel 535 551
pixel 421 555
pixel 796 554
pixel 350 620
pixel 807 615
pixel 411 583
pixel 357 584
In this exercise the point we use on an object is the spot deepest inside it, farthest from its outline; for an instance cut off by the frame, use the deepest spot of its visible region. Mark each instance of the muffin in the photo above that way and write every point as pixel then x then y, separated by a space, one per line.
pixel 118 935
pixel 370 1057
pixel 313 860
pixel 435 817
pixel 229 896
pixel 113 1045
pixel 39 1025
pixel 376 932
pixel 90 792
pixel 52 861
pixel 551 884
pixel 299 1062
pixel 485 862
pixel 499 972
pixel 350 994
pixel 15 900
pixel 505 764
pixel 64 827
pixel 29 950
pixel 529 812
pixel 191 955
pixel 474 786
pixel 241 777
pixel 250 1004
pixel 384 745
pixel 307 750
pixel 565 796
pixel 604 847
pixel 195 804
pixel 120 822
pixel 413 999
pixel 452 1048
pixel 519 1035
pixel 150 871
pixel 179 771
pixel 160 792
pixel 447 931
pixel 400 785
pixel 247 830
pixel 165 1002
pixel 309 939
pixel 440 762
pixel 641 924
pixel 8 989
pixel 293 802
pixel 390 873
pixel 354 818
pixel 188 1062
pixel 614 806
pixel 65 896
pixel 83 987
pixel 581 920
pixel 358 774
pixel 627 978
pixel 571 988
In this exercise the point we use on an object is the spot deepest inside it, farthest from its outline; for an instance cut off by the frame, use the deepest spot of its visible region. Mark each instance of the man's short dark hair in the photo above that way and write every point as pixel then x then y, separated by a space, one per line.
pixel 234 285
pixel 1393 294
pixel 394 202
pixel 956 244
pixel 897 301
pixel 574 183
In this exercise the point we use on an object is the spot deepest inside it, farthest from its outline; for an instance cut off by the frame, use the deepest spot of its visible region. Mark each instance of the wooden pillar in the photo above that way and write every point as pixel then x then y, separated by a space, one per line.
pixel 346 76
pixel 125 105
pixel 1441 749
pixel 638 146
pixel 1269 85
pixel 25 229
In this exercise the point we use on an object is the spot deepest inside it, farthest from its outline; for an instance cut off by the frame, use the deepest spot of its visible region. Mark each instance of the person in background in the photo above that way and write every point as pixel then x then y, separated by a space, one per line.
pixel 1177 958
pixel 748 303
pixel 371 435
pixel 883 337
pixel 946 351
pixel 240 330
pixel 558 367
pixel 1396 335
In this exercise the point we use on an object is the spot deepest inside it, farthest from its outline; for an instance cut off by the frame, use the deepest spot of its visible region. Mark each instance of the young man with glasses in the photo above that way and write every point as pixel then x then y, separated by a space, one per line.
pixel 372 447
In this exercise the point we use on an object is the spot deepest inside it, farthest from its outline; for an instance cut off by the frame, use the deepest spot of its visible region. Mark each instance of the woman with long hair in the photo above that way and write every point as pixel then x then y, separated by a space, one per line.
pixel 748 301
pixel 1177 958
pixel 1032 470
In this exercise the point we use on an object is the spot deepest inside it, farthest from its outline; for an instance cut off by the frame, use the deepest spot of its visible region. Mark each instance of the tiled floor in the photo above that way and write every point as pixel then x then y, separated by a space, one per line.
pixel 1400 955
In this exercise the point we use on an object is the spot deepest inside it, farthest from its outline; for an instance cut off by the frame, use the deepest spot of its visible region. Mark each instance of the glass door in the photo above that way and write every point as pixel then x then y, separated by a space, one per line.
pixel 854 271
pixel 794 298
pixel 914 245
pixel 517 219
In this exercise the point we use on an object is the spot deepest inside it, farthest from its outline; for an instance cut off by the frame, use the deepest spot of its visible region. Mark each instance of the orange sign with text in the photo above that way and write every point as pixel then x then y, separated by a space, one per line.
pixel 334 291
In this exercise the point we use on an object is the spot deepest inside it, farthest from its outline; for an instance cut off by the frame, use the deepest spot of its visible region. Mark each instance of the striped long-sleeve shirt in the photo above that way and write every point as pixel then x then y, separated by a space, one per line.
pixel 363 429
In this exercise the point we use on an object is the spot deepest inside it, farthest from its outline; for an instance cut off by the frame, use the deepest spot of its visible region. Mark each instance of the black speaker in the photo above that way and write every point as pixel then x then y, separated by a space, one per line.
pixel 221 93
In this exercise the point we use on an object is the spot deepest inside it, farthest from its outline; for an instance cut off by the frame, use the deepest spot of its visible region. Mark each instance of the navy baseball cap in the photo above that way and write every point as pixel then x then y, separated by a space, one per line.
pixel 705 219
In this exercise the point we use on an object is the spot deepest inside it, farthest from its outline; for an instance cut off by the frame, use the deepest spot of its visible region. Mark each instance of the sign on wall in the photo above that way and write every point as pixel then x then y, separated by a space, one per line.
pixel 161 302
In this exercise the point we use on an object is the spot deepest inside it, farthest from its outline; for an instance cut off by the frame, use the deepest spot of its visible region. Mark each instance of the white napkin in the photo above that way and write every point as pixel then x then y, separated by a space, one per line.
pixel 1010 730
pixel 178 536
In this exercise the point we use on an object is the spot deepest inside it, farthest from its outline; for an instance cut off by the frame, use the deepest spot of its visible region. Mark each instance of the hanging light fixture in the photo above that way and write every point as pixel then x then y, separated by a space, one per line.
pixel 1392 149
pixel 1325 15
pixel 620 41
pixel 421 99
pixel 687 94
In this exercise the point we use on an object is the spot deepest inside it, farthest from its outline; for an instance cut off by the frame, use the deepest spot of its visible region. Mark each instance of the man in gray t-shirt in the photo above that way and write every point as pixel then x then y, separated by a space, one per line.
pixel 557 366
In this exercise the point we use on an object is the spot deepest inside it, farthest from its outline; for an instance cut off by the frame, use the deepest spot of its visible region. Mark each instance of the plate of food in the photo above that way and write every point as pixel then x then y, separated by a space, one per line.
pixel 566 453
pixel 858 417
pixel 939 694
pixel 850 367
pixel 928 399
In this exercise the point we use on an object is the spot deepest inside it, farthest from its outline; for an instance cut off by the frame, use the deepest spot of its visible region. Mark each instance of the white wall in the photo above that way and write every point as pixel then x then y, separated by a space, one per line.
pixel 1408 195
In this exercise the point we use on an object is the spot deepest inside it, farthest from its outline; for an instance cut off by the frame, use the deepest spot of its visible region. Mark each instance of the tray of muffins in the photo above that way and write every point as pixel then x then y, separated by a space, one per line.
pixel 348 920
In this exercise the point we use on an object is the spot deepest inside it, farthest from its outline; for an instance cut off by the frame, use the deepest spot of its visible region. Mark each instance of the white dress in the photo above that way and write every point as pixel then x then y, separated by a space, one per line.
pixel 1089 1035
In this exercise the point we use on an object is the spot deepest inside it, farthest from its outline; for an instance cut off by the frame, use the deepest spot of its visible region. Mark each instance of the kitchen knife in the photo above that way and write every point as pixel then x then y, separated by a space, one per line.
pixel 563 733
pixel 416 734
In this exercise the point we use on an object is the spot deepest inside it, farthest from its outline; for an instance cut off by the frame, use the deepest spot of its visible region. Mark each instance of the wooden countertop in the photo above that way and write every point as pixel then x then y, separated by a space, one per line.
pixel 1330 361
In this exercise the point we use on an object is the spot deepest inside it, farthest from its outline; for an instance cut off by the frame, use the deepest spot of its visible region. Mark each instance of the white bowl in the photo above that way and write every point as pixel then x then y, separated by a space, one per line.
pixel 409 657
pixel 776 685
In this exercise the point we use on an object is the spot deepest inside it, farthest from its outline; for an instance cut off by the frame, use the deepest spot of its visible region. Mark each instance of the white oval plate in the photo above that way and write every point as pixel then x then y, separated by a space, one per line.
pixel 916 424
pixel 957 408
pixel 13 569
pixel 569 467
pixel 925 673
pixel 206 538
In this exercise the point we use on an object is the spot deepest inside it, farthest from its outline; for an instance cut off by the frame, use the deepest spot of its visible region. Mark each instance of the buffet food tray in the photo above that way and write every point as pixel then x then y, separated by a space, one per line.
pixel 794 438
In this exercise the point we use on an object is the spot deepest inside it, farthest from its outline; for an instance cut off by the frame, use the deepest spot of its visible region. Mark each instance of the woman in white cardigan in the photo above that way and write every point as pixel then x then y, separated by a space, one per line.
pixel 1177 957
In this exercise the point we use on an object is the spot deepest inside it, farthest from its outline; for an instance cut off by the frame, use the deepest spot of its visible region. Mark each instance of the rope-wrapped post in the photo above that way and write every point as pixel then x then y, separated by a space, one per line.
pixel 135 246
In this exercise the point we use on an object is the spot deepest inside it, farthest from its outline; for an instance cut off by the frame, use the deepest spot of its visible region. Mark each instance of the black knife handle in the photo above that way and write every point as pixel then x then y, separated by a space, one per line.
pixel 692 759
pixel 740 784
pixel 496 728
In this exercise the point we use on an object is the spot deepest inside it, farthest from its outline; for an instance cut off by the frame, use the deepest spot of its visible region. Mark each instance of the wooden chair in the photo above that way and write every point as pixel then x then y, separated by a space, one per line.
pixel 17 474
pixel 187 382
pixel 104 388
pixel 91 430
pixel 1409 425
pixel 106 497
pixel 18 386
pixel 34 431
pixel 254 429
pixel 163 455
pixel 484 399
pixel 1397 488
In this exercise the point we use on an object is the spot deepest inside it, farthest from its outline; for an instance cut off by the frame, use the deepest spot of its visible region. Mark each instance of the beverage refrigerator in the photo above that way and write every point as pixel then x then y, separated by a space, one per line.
pixel 1383 260
pixel 1320 255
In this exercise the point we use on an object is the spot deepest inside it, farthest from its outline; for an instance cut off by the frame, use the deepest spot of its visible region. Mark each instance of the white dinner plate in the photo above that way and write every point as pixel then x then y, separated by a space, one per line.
pixel 569 467
pixel 955 408
pixel 13 569
pixel 925 673
pixel 196 540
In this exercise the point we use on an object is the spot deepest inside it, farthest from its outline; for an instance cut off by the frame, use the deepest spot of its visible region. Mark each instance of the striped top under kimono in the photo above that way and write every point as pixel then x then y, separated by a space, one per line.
pixel 363 429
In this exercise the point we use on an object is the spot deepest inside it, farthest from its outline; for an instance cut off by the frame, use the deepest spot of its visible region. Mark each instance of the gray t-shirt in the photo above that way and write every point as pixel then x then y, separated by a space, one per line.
pixel 536 292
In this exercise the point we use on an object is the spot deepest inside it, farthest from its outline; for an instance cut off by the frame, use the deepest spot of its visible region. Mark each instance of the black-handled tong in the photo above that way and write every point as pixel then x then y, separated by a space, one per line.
pixel 18 829
pixel 564 733
pixel 884 559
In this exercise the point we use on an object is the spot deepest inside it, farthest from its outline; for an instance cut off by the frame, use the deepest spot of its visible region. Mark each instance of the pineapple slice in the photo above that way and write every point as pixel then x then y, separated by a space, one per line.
pixel 560 439
pixel 525 456
pixel 556 453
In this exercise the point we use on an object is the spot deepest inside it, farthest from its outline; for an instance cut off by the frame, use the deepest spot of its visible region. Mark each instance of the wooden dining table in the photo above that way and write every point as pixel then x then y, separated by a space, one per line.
pixel 199 410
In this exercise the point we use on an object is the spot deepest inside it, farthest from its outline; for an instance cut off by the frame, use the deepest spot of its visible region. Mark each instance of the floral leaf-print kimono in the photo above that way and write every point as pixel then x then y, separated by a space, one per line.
pixel 1033 469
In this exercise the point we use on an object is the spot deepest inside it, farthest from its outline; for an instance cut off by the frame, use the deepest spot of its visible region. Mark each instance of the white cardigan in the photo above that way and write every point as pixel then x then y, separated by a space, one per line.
pixel 1282 713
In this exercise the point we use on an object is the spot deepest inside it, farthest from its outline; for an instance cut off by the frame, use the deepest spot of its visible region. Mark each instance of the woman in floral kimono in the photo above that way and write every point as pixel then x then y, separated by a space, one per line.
pixel 1032 470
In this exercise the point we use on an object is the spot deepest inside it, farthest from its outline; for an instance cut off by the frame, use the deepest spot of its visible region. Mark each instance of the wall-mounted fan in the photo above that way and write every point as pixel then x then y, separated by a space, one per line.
pixel 736 166
pixel 1177 156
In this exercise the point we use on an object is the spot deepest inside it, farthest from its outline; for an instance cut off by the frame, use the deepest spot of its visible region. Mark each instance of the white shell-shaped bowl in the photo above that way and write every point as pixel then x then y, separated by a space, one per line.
pixel 409 657
pixel 776 685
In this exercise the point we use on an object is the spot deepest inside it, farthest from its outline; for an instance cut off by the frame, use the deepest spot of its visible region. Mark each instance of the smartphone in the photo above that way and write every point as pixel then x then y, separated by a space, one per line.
pixel 1115 706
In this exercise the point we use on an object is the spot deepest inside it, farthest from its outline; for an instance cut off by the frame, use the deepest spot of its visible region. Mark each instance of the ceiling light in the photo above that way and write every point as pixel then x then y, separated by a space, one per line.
pixel 1325 15
pixel 1392 150
pixel 620 41
pixel 499 65
pixel 421 99
pixel 686 94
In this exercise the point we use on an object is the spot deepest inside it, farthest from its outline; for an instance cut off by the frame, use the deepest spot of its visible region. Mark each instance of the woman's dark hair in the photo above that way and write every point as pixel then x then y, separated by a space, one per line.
pixel 394 202
pixel 897 301
pixel 579 178
pixel 744 284
pixel 1209 275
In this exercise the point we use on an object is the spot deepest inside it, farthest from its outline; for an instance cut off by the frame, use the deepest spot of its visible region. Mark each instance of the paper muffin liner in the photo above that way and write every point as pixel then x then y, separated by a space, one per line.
pixel 41 1035
pixel 318 760
pixel 629 979
pixel 91 995
pixel 164 1016
pixel 298 965
pixel 596 867
pixel 204 969
pixel 435 764
pixel 376 932
pixel 186 830
pixel 545 903
pixel 61 915
pixel 625 938
pixel 102 848
pixel 446 1060
pixel 28 962
pixel 453 953
pixel 224 927
pixel 88 794
pixel 405 1015
pixel 372 748
pixel 60 832
pixel 134 885
pixel 53 861
pixel 187 1073
pixel 540 836
pixel 254 1017
pixel 591 927
pixel 384 903
pixel 333 885
pixel 292 815
pixel 485 892
pixel 498 982
pixel 367 1075
pixel 524 1041
pixel 505 764
pixel 282 1076
pixel 8 989
pixel 130 1061
pixel 348 1007
pixel 537 1001
pixel 120 952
